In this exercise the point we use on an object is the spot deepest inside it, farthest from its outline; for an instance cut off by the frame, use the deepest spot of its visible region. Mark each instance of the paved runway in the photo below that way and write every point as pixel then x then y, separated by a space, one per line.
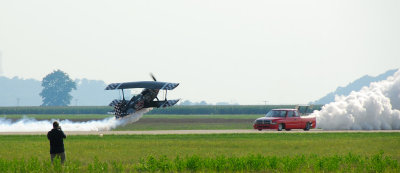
pixel 157 132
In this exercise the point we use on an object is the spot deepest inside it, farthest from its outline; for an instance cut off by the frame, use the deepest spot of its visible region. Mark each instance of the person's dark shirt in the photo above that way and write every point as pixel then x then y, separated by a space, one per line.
pixel 56 137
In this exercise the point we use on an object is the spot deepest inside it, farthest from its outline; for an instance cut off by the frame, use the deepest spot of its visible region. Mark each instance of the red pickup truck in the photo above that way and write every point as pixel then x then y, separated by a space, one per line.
pixel 284 119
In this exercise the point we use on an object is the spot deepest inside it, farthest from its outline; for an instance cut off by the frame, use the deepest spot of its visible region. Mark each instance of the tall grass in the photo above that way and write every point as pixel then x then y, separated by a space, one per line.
pixel 250 163
pixel 132 147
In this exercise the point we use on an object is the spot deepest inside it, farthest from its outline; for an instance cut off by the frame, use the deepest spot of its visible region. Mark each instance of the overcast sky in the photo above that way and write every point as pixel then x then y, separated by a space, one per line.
pixel 284 51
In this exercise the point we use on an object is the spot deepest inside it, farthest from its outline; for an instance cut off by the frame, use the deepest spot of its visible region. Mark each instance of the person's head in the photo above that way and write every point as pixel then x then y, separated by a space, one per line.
pixel 55 124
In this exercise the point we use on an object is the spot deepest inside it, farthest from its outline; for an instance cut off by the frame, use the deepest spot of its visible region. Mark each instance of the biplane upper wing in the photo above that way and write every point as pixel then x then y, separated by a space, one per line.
pixel 143 84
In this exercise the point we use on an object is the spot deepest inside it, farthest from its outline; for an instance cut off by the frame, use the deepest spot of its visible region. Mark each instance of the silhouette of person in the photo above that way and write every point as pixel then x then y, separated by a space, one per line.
pixel 56 137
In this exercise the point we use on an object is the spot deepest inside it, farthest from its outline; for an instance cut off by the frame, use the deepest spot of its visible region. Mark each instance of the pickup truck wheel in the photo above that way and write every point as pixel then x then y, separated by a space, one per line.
pixel 308 126
pixel 288 129
pixel 280 127
pixel 259 129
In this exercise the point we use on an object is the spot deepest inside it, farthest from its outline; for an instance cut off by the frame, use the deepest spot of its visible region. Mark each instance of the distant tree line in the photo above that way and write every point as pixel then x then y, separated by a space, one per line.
pixel 226 109
pixel 55 110
pixel 183 110
pixel 190 103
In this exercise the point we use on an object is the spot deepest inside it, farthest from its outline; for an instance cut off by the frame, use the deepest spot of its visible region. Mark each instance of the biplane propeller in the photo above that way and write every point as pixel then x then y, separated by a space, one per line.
pixel 146 99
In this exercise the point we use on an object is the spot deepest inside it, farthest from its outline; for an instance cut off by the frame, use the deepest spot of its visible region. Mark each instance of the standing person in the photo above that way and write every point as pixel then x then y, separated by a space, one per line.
pixel 56 137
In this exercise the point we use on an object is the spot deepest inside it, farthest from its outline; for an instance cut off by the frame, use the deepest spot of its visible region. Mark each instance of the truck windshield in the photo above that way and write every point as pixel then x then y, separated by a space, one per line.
pixel 276 113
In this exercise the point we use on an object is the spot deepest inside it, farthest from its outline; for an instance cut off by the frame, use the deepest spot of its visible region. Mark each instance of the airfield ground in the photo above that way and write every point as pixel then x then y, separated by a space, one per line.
pixel 204 142
pixel 175 124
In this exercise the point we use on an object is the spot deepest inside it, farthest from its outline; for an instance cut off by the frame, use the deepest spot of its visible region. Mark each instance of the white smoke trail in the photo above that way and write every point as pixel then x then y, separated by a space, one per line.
pixel 372 108
pixel 32 125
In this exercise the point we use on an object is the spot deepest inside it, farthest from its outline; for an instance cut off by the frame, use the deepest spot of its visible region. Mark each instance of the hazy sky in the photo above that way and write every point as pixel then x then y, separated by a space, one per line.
pixel 284 51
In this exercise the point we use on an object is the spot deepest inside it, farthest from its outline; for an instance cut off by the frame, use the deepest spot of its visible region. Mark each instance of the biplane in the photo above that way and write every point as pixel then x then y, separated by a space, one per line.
pixel 146 99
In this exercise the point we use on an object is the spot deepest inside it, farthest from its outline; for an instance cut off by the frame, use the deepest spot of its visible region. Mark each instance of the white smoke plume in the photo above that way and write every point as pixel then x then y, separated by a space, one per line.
pixel 32 125
pixel 372 108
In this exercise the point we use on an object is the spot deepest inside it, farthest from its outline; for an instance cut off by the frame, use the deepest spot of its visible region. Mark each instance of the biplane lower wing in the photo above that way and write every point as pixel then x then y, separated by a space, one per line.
pixel 163 104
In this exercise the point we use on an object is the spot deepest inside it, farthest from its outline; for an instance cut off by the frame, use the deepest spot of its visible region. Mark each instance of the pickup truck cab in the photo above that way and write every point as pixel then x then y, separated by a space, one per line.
pixel 284 119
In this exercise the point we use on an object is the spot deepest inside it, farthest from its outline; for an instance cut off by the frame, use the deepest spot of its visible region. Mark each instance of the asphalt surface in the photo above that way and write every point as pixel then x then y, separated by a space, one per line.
pixel 157 132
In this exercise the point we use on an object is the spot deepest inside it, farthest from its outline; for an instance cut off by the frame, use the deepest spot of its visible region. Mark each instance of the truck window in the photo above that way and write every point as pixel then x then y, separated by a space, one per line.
pixel 296 114
pixel 290 114
pixel 273 113
pixel 283 114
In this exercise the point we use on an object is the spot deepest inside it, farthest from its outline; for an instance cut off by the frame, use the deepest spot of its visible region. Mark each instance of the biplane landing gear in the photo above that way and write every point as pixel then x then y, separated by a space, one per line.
pixel 130 111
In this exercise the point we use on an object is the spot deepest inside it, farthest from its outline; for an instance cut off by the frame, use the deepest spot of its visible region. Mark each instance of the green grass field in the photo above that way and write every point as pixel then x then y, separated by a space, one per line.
pixel 192 122
pixel 183 126
pixel 136 149
pixel 133 147
pixel 220 116
pixel 101 116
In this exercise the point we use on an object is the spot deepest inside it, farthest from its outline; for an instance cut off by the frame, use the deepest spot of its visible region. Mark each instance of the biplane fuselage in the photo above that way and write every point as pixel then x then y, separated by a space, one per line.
pixel 146 99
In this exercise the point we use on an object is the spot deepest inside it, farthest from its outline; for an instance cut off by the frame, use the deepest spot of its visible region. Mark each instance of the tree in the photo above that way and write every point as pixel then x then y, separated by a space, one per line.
pixel 56 88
